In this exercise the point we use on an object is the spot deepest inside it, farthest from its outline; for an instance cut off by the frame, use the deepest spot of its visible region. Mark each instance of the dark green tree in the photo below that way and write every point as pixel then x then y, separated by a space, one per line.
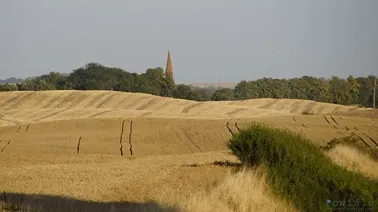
pixel 224 94
pixel 353 89
pixel 246 90
pixel 340 91
pixel 168 87
pixel 37 84
pixel 8 87
pixel 198 94
pixel 365 91
pixel 57 80
pixel 182 92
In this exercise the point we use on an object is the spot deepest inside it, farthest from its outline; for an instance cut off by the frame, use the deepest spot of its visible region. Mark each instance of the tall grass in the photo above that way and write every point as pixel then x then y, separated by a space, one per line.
pixel 300 172
pixel 244 191
pixel 354 159
pixel 353 141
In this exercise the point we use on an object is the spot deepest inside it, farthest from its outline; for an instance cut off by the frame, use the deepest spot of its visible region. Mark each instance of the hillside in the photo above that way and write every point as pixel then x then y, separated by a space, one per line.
pixel 104 146
pixel 159 125
pixel 31 106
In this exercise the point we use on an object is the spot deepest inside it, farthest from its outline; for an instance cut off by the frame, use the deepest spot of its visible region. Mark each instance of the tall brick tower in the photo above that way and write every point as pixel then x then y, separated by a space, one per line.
pixel 168 68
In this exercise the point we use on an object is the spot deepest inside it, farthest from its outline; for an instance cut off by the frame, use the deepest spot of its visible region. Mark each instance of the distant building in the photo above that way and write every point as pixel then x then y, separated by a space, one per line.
pixel 168 68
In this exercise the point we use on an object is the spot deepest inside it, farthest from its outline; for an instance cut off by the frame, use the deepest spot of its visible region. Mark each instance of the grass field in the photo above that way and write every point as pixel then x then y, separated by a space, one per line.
pixel 116 151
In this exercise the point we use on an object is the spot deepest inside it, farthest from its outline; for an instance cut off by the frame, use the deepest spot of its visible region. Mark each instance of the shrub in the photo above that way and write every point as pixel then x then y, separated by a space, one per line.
pixel 299 171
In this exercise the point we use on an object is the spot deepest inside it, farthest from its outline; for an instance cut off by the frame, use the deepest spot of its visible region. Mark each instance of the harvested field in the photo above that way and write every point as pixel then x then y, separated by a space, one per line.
pixel 26 107
pixel 173 142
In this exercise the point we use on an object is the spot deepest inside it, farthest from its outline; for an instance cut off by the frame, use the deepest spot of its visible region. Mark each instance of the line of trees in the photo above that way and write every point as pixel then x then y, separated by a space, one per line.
pixel 350 91
pixel 95 76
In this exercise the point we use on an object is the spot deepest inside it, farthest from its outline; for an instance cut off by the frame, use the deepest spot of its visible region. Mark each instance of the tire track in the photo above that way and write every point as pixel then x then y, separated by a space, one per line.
pixel 163 105
pixel 53 100
pixel 179 137
pixel 229 129
pixel 27 128
pixel 77 99
pixel 106 100
pixel 94 100
pixel 336 108
pixel 78 146
pixel 9 101
pixel 188 108
pixel 134 102
pixel 21 98
pixel 325 118
pixel 235 111
pixel 99 113
pixel 190 139
pixel 236 125
pixel 148 103
pixel 145 114
pixel 363 141
pixel 18 130
pixel 5 145
pixel 66 99
pixel 121 137
pixel 130 135
pixel 372 140
pixel 16 99
pixel 334 120
pixel 50 115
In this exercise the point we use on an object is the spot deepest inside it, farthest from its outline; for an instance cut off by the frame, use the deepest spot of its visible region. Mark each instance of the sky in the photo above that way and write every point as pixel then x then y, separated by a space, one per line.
pixel 208 39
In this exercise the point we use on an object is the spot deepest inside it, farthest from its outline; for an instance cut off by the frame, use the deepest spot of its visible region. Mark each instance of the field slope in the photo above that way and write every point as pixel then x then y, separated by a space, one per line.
pixel 115 146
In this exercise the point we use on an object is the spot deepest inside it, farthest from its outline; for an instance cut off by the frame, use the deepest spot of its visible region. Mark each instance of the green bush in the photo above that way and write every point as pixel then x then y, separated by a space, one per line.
pixel 300 172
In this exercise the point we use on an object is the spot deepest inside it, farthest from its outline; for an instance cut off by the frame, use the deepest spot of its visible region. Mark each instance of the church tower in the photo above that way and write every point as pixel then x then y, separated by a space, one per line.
pixel 168 68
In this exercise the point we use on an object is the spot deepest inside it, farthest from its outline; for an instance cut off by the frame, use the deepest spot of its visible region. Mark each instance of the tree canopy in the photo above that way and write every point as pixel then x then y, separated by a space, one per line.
pixel 335 90
pixel 94 76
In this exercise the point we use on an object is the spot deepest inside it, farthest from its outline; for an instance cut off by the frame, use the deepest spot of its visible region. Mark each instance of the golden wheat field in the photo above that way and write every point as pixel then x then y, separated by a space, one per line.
pixel 113 151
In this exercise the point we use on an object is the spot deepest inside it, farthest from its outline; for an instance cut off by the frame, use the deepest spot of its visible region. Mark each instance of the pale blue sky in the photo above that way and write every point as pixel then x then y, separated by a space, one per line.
pixel 209 39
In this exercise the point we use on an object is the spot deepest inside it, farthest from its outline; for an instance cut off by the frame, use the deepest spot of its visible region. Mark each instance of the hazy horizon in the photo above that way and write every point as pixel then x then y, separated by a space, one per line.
pixel 229 41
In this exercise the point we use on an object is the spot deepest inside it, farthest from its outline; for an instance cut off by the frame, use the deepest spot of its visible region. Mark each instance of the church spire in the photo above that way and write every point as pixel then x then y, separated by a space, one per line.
pixel 168 68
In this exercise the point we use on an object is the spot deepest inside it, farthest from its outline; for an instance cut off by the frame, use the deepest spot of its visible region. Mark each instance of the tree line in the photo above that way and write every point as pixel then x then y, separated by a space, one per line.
pixel 94 76
pixel 350 91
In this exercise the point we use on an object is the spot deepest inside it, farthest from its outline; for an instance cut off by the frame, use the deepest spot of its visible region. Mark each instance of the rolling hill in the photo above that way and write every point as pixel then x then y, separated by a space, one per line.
pixel 113 146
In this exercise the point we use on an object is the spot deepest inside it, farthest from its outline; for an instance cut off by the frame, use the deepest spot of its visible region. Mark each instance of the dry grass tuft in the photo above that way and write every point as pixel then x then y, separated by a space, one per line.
pixel 353 159
pixel 244 191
